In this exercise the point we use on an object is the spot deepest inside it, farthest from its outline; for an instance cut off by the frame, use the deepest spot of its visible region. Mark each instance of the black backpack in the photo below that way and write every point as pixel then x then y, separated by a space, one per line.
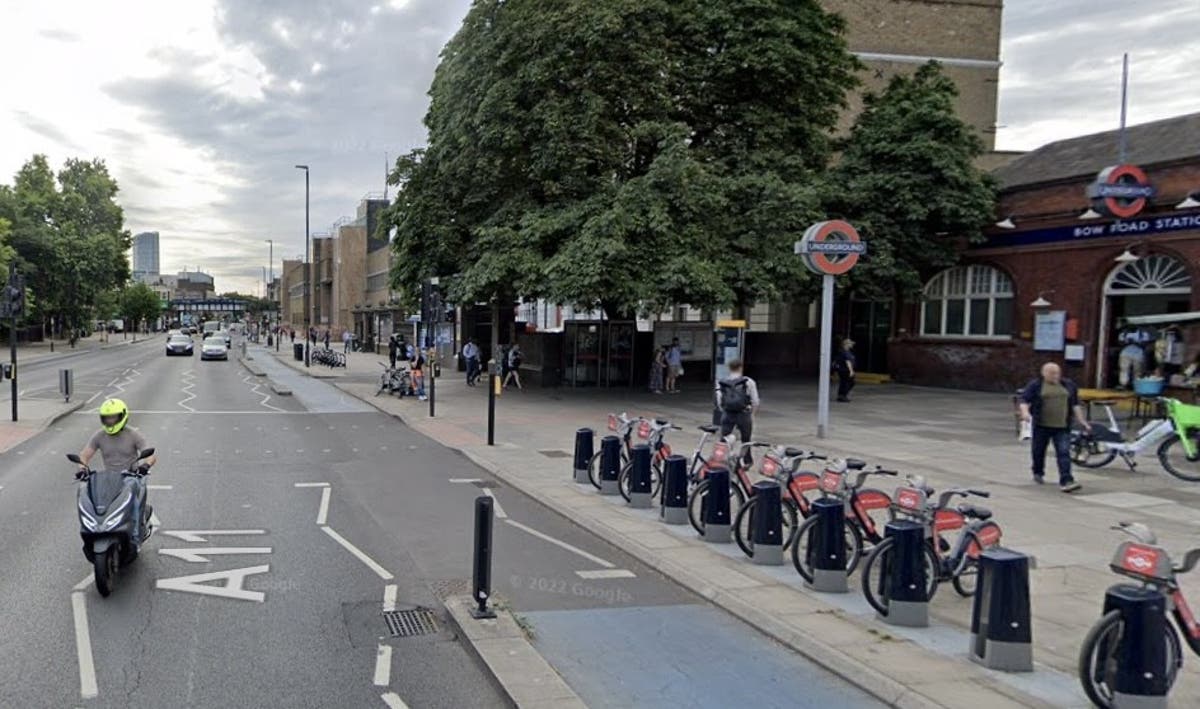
pixel 735 398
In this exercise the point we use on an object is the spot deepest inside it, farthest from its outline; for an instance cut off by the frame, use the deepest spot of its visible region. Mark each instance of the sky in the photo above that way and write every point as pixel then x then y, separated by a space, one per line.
pixel 201 109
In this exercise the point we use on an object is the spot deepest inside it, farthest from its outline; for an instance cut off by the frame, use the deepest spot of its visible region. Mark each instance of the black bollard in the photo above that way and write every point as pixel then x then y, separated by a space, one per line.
pixel 639 477
pixel 481 583
pixel 766 524
pixel 827 546
pixel 675 490
pixel 610 465
pixel 906 584
pixel 716 507
pixel 1142 677
pixel 493 385
pixel 584 443
pixel 1001 633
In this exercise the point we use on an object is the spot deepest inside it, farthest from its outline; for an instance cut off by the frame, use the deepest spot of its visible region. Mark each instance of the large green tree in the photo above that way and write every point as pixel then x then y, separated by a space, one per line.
pixel 625 154
pixel 140 304
pixel 908 181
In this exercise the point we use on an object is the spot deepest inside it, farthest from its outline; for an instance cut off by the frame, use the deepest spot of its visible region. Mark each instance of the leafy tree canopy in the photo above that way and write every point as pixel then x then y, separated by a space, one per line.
pixel 140 304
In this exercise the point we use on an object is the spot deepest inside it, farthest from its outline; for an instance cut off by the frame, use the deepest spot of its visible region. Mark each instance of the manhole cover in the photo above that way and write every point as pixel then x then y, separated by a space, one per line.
pixel 555 454
pixel 410 623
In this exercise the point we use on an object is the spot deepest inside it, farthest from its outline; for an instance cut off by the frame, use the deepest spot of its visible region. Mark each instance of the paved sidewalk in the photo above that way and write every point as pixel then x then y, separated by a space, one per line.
pixel 952 437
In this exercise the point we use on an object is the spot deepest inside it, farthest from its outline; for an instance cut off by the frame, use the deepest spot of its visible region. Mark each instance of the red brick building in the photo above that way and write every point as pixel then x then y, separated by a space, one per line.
pixel 1059 272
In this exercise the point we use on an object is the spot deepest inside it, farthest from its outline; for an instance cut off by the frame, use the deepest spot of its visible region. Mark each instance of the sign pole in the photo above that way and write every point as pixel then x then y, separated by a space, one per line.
pixel 826 355
pixel 12 339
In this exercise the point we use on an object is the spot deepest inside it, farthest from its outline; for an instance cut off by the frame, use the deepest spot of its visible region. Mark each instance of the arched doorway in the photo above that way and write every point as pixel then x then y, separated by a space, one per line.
pixel 1151 285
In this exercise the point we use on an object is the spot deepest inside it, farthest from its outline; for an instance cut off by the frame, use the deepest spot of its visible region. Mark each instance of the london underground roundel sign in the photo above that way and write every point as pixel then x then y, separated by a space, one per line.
pixel 1121 191
pixel 831 248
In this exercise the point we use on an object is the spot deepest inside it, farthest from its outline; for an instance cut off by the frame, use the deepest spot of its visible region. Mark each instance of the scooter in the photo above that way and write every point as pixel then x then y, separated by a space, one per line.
pixel 106 519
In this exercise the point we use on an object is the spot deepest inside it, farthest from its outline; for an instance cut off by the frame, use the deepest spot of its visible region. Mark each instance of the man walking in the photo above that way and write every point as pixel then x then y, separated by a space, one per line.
pixel 470 353
pixel 844 362
pixel 674 366
pixel 346 337
pixel 393 349
pixel 737 398
pixel 1048 402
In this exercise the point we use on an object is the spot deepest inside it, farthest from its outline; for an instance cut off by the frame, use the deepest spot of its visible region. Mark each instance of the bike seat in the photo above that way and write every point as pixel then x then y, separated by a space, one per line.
pixel 855 464
pixel 792 452
pixel 709 429
pixel 661 422
pixel 975 511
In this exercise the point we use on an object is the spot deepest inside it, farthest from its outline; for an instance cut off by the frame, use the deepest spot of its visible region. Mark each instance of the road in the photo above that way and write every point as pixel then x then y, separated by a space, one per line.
pixel 289 527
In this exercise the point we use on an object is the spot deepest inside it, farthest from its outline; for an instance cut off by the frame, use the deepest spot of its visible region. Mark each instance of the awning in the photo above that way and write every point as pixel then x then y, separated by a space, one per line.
pixel 1165 319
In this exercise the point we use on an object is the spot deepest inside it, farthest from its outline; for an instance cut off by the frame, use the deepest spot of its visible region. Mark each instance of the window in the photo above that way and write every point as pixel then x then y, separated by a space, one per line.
pixel 377 281
pixel 968 301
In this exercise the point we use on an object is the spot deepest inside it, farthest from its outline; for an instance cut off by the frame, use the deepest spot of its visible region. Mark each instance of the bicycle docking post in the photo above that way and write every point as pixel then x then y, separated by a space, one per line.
pixel 639 477
pixel 905 582
pixel 716 507
pixel 1141 678
pixel 481 582
pixel 675 491
pixel 1001 630
pixel 766 524
pixel 827 546
pixel 584 450
pixel 610 465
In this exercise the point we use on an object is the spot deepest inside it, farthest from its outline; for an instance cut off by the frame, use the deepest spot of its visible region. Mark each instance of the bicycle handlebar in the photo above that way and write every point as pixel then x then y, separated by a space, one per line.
pixel 945 497
pixel 1190 560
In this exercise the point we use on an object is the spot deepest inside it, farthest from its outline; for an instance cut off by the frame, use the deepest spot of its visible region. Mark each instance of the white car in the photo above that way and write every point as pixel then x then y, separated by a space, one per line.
pixel 214 348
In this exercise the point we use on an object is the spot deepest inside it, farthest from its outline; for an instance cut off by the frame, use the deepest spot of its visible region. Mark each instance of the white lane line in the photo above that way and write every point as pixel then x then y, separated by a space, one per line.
pixel 155 522
pixel 160 487
pixel 310 485
pixel 389 597
pixel 464 480
pixel 573 549
pixel 360 555
pixel 393 701
pixel 93 397
pixel 82 585
pixel 606 574
pixel 383 666
pixel 323 510
pixel 83 647
pixel 200 535
pixel 500 513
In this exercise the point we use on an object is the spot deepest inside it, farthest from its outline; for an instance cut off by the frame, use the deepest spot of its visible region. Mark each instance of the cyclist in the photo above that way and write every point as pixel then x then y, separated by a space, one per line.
pixel 119 445
pixel 737 398
pixel 1048 402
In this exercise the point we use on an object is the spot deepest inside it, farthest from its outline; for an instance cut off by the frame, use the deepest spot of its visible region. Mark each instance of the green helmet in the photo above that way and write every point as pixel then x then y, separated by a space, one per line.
pixel 113 416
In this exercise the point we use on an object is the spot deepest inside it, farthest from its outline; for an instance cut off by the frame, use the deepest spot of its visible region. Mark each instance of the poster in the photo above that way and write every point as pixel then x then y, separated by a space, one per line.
pixel 1049 330
pixel 695 339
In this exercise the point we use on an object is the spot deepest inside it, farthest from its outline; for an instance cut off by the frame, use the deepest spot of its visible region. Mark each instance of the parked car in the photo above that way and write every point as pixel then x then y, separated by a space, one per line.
pixel 180 344
pixel 214 348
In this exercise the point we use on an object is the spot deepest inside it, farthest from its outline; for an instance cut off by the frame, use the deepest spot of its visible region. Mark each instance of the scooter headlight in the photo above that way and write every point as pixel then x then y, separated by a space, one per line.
pixel 86 519
pixel 115 514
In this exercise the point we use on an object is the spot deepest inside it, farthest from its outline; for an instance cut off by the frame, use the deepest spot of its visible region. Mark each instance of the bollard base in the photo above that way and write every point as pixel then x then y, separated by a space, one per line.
pixel 1133 701
pixel 581 477
pixel 485 614
pixel 1006 657
pixel 610 487
pixel 640 500
pixel 768 555
pixel 829 581
pixel 909 614
pixel 717 533
pixel 674 515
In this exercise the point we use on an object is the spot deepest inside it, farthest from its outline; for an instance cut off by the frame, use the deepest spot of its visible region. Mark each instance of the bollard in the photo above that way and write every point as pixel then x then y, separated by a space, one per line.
pixel 1142 678
pixel 610 465
pixel 1001 632
pixel 766 524
pixel 827 547
pixel 906 582
pixel 481 582
pixel 639 477
pixel 584 451
pixel 675 490
pixel 716 507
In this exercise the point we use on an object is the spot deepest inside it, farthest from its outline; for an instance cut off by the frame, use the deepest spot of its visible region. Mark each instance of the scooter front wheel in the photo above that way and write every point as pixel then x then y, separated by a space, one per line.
pixel 105 565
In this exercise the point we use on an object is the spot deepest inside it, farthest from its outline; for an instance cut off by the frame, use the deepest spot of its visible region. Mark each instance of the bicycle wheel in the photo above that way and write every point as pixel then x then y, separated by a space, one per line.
pixel 965 578
pixel 627 470
pixel 743 525
pixel 1098 659
pixel 594 470
pixel 875 574
pixel 696 504
pixel 1090 453
pixel 1175 460
pixel 802 557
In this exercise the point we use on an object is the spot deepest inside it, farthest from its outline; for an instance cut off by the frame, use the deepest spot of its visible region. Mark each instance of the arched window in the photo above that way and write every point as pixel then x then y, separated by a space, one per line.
pixel 968 301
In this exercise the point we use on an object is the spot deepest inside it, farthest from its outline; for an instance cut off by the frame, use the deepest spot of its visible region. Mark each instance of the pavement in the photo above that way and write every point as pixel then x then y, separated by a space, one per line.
pixel 952 437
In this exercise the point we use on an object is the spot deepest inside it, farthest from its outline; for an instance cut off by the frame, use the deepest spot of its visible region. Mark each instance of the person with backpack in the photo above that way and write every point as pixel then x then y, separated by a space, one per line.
pixel 737 398
pixel 843 363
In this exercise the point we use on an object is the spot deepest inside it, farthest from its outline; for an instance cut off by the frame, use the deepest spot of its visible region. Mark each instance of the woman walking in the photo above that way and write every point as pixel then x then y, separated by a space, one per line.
pixel 657 367
pixel 514 367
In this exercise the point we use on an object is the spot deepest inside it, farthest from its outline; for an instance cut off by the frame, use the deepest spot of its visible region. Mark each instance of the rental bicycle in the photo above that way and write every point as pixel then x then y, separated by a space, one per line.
pixel 1144 561
pixel 622 426
pixel 1176 435
pixel 741 487
pixel 859 503
pixel 651 434
pixel 781 464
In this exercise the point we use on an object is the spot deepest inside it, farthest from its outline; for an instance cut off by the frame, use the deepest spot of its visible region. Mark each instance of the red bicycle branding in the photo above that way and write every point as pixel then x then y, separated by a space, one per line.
pixel 831 481
pixel 910 499
pixel 644 430
pixel 988 537
pixel 948 520
pixel 769 467
pixel 612 422
pixel 719 453
pixel 1185 613
pixel 1140 559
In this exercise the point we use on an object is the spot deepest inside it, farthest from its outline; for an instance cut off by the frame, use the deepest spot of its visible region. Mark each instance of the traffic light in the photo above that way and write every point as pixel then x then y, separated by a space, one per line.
pixel 16 300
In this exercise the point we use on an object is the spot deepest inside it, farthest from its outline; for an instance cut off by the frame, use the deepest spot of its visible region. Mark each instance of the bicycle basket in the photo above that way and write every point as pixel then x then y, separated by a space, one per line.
pixel 720 453
pixel 1142 561
pixel 910 500
pixel 643 430
pixel 831 481
pixel 770 466
pixel 612 422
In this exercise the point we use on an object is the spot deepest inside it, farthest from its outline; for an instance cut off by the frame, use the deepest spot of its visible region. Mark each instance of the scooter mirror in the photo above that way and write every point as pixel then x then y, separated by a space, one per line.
pixel 74 458
pixel 146 454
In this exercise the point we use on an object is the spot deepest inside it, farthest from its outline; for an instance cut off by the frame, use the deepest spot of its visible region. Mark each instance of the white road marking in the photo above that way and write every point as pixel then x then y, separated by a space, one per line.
pixel 383 666
pixel 82 585
pixel 464 480
pixel 83 647
pixel 323 510
pixel 93 398
pixel 234 579
pixel 389 597
pixel 311 485
pixel 160 487
pixel 393 701
pixel 200 535
pixel 359 554
pixel 200 556
pixel 606 574
pixel 154 520
pixel 496 508
pixel 560 543
pixel 324 450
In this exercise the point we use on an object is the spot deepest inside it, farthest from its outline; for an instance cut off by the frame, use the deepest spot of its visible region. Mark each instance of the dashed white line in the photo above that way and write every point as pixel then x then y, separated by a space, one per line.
pixel 389 597
pixel 82 585
pixel 83 647
pixel 360 555
pixel 606 574
pixel 464 480
pixel 393 700
pixel 311 485
pixel 323 510
pixel 160 487
pixel 383 666
pixel 496 508
pixel 560 543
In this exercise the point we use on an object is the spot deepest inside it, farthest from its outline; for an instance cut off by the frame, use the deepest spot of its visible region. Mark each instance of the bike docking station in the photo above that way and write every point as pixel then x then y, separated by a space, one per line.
pixel 1001 627
pixel 1142 675
pixel 674 491
pixel 827 547
pixel 905 585
pixel 716 507
pixel 610 465
pixel 584 450
pixel 640 488
pixel 766 524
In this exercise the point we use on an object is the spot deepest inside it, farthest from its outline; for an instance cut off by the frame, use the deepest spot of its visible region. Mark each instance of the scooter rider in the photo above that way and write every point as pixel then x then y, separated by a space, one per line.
pixel 119 445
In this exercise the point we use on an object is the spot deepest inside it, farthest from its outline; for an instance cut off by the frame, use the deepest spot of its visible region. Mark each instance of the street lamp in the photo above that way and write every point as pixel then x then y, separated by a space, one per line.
pixel 270 282
pixel 309 275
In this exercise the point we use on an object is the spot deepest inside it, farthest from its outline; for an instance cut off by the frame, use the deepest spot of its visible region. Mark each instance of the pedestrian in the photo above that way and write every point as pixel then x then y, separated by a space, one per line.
pixel 346 341
pixel 1131 362
pixel 470 353
pixel 1048 403
pixel 393 349
pixel 326 338
pixel 292 332
pixel 844 362
pixel 737 398
pixel 514 366
pixel 416 364
pixel 674 366
pixel 657 370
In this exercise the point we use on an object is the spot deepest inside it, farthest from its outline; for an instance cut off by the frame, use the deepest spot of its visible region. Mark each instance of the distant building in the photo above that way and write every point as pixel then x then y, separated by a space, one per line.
pixel 194 285
pixel 145 255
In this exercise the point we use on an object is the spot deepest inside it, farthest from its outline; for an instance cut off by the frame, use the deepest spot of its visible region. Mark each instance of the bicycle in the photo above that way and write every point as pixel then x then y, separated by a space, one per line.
pixel 783 466
pixel 858 502
pixel 1176 435
pixel 1144 561
pixel 621 425
pixel 957 563
pixel 741 487
pixel 394 380
pixel 651 434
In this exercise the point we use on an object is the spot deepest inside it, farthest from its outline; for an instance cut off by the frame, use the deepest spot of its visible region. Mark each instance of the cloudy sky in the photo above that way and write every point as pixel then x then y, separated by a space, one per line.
pixel 202 108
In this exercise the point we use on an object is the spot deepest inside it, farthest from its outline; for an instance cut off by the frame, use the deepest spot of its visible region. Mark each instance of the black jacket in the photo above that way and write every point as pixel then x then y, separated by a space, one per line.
pixel 1032 394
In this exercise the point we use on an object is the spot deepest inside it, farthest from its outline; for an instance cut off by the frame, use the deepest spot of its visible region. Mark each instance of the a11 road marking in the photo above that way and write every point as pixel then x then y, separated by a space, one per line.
pixel 234 579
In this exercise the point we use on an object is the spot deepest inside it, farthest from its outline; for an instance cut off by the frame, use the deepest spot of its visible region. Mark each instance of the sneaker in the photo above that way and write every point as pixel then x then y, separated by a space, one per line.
pixel 1039 479
pixel 1070 487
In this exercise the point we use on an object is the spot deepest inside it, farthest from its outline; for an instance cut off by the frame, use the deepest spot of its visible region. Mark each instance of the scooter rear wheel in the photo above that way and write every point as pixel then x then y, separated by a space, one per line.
pixel 105 565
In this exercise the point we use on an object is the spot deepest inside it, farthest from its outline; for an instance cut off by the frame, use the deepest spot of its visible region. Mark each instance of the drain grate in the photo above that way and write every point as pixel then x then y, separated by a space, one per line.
pixel 555 454
pixel 410 623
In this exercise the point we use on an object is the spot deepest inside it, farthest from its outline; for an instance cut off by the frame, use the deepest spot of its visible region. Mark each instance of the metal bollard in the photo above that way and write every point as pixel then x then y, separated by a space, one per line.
pixel 766 524
pixel 906 580
pixel 1001 631
pixel 716 507
pixel 827 547
pixel 639 477
pixel 675 490
pixel 610 465
pixel 1141 680
pixel 584 450
pixel 481 582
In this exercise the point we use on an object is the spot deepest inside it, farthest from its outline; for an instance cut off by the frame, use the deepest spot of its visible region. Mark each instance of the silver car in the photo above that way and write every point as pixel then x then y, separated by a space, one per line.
pixel 214 348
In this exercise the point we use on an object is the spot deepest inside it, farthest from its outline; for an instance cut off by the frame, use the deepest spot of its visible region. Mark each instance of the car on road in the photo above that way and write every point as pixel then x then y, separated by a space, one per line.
pixel 224 335
pixel 214 348
pixel 180 345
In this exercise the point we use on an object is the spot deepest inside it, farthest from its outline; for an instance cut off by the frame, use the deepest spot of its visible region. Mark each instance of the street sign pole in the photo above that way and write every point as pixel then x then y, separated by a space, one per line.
pixel 13 284
pixel 826 355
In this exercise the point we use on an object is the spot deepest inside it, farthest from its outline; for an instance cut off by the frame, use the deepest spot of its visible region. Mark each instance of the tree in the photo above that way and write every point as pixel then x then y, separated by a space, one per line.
pixel 908 181
pixel 140 305
pixel 627 154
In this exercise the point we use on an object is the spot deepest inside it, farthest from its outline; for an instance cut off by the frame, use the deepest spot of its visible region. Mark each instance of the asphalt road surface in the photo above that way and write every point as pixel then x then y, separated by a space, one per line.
pixel 290 529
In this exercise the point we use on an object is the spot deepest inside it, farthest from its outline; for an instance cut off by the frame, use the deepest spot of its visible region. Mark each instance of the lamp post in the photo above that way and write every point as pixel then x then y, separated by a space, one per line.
pixel 309 272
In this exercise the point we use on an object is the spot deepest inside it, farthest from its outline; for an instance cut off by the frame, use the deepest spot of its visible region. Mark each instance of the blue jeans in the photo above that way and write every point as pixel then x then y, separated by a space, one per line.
pixel 1061 437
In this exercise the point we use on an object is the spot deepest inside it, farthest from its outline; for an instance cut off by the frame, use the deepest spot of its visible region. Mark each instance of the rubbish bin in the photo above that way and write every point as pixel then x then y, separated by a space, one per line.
pixel 298 351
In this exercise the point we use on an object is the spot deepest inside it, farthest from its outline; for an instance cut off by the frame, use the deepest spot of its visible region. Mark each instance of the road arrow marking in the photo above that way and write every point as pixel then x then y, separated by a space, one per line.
pixel 234 579
pixel 200 556
pixel 199 535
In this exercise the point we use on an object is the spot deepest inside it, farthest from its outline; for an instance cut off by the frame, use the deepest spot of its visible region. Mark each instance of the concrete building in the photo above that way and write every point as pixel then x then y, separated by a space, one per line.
pixel 292 281
pixel 194 285
pixel 145 255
